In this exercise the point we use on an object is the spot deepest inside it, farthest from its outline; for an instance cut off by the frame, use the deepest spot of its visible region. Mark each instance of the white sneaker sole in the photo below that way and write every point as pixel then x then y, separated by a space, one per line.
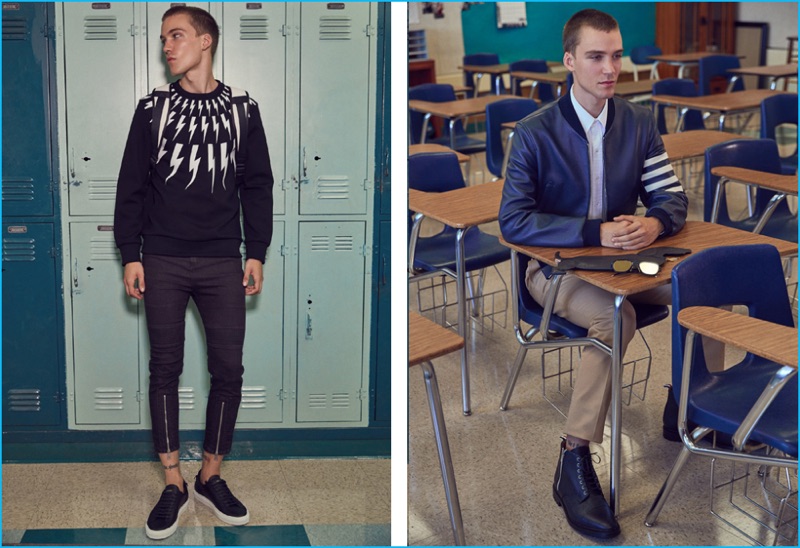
pixel 164 533
pixel 231 520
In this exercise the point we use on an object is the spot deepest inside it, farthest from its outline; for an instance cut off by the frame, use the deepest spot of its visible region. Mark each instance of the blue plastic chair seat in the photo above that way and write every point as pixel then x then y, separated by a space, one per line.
pixel 438 252
pixel 724 400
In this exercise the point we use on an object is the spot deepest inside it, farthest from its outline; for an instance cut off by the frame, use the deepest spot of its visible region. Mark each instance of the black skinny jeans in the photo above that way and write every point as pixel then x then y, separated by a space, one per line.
pixel 215 284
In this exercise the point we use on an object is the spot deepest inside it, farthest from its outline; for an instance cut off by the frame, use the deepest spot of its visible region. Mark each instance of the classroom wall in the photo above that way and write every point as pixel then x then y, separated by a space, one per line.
pixel 781 16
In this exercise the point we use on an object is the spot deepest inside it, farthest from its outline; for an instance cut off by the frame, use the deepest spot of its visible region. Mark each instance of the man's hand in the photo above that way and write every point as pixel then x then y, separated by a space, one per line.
pixel 254 268
pixel 133 272
pixel 635 232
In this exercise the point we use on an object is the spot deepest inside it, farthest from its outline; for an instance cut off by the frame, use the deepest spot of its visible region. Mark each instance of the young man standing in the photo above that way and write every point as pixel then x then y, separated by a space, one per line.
pixel 195 158
pixel 575 173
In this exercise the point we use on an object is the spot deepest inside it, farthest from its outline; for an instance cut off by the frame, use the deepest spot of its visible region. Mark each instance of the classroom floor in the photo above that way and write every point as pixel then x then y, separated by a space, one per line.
pixel 310 502
pixel 504 461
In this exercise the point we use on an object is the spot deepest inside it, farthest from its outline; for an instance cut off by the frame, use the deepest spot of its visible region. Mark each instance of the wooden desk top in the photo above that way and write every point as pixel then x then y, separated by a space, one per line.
pixel 766 339
pixel 721 102
pixel 462 208
pixel 459 107
pixel 689 144
pixel 542 77
pixel 433 147
pixel 486 69
pixel 626 89
pixel 428 340
pixel 683 58
pixel 786 184
pixel 773 71
pixel 696 235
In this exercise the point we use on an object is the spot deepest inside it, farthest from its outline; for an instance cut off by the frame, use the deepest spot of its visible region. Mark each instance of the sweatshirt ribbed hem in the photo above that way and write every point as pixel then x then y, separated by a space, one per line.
pixel 171 247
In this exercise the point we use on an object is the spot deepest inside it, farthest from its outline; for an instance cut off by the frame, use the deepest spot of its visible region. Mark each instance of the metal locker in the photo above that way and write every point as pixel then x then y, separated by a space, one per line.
pixel 157 69
pixel 254 59
pixel 27 167
pixel 263 352
pixel 330 327
pixel 105 330
pixel 334 119
pixel 97 37
pixel 30 327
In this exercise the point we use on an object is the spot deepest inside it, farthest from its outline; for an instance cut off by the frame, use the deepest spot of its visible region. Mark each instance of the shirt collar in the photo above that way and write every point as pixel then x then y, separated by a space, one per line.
pixel 583 115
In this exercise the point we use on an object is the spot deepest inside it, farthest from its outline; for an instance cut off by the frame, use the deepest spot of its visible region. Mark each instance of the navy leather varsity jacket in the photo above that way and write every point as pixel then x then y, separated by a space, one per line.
pixel 546 192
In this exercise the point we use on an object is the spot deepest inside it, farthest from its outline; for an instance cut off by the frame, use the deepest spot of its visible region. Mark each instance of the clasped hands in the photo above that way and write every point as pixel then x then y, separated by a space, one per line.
pixel 630 232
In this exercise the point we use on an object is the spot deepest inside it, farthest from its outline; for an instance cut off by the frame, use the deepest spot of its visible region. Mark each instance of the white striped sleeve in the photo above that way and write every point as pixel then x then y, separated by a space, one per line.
pixel 657 174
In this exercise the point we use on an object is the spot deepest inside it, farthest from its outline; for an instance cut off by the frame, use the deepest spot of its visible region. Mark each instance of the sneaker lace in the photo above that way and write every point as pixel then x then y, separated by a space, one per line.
pixel 166 503
pixel 223 494
pixel 589 475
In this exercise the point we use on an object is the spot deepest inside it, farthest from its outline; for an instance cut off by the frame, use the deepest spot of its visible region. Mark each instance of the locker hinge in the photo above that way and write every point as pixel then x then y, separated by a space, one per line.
pixel 370 30
pixel 366 251
pixel 48 31
pixel 368 185
pixel 363 394
pixel 284 31
pixel 134 30
pixel 53 187
pixel 58 397
pixel 53 252
pixel 291 184
pixel 139 396
pixel 285 394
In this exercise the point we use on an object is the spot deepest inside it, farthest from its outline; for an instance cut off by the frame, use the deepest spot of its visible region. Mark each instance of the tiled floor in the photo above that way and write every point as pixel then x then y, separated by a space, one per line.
pixel 504 461
pixel 291 502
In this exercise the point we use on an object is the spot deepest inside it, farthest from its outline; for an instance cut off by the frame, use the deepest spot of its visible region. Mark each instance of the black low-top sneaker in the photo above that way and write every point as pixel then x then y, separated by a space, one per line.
pixel 216 495
pixel 163 519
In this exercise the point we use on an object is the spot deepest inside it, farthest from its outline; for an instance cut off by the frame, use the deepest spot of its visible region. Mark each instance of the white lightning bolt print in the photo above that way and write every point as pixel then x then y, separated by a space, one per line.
pixel 162 149
pixel 175 161
pixel 223 163
pixel 211 165
pixel 204 126
pixel 215 123
pixel 227 125
pixel 170 117
pixel 185 103
pixel 180 125
pixel 194 165
pixel 191 107
pixel 192 127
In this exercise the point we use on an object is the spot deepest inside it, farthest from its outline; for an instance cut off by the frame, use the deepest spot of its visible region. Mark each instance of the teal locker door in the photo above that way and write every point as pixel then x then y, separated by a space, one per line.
pixel 157 69
pixel 105 330
pixel 254 59
pixel 27 166
pixel 330 311
pixel 263 342
pixel 334 121
pixel 30 327
pixel 97 37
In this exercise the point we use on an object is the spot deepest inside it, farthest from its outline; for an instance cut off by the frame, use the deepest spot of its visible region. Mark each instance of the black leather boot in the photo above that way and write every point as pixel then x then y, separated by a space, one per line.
pixel 577 490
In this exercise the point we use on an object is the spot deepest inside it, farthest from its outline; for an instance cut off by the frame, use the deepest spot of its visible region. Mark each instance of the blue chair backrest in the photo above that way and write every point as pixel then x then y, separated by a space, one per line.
pixel 714 66
pixel 546 94
pixel 757 154
pixel 481 59
pixel 677 86
pixel 640 55
pixel 750 275
pixel 434 172
pixel 498 113
pixel 435 93
pixel 777 110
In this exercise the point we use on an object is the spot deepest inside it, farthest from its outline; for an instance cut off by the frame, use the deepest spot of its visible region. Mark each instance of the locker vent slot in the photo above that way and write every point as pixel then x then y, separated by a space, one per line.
pixel 254 397
pixel 254 27
pixel 100 27
pixel 15 28
pixel 18 190
pixel 19 249
pixel 186 398
pixel 334 28
pixel 320 243
pixel 24 400
pixel 337 401
pixel 343 243
pixel 103 190
pixel 103 249
pixel 109 399
pixel 333 188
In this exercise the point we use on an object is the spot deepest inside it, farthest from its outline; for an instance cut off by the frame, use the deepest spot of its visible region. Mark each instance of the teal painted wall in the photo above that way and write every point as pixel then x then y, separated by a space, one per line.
pixel 541 39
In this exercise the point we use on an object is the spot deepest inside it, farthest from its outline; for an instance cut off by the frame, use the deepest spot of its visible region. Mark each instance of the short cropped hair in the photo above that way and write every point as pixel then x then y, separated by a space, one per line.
pixel 593 18
pixel 201 20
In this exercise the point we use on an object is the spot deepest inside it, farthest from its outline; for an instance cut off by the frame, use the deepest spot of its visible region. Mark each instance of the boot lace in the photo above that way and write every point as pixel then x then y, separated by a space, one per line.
pixel 590 481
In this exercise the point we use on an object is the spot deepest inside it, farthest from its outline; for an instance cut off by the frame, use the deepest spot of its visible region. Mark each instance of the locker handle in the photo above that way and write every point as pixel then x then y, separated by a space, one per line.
pixel 75 274
pixel 305 166
pixel 308 326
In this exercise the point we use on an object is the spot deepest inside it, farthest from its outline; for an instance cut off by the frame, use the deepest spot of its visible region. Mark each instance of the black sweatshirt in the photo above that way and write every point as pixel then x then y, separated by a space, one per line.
pixel 188 204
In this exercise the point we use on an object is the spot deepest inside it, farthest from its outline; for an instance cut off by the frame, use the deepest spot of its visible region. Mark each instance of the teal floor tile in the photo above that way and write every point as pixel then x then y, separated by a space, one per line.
pixel 262 535
pixel 12 536
pixel 184 536
pixel 81 537
pixel 350 535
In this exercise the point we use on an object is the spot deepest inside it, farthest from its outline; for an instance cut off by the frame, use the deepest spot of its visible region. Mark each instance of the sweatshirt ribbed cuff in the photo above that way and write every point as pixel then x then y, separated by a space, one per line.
pixel 130 253
pixel 591 232
pixel 257 250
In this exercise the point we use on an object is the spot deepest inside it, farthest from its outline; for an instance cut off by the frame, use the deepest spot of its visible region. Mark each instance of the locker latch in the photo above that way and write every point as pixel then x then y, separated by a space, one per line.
pixel 370 30
pixel 308 326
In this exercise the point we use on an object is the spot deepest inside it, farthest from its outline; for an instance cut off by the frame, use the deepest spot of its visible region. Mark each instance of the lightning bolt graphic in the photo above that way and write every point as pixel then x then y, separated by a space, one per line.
pixel 183 104
pixel 191 107
pixel 180 126
pixel 149 104
pixel 224 163
pixel 211 165
pixel 226 124
pixel 192 127
pixel 204 126
pixel 232 160
pixel 175 161
pixel 215 123
pixel 194 165
pixel 162 150
pixel 170 117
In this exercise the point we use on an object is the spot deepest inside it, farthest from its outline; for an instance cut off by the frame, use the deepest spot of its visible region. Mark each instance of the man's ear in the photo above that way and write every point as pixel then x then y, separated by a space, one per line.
pixel 207 41
pixel 569 61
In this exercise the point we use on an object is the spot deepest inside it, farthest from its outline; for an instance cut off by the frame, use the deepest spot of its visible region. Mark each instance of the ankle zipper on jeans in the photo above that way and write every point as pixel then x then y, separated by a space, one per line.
pixel 219 429
pixel 166 424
